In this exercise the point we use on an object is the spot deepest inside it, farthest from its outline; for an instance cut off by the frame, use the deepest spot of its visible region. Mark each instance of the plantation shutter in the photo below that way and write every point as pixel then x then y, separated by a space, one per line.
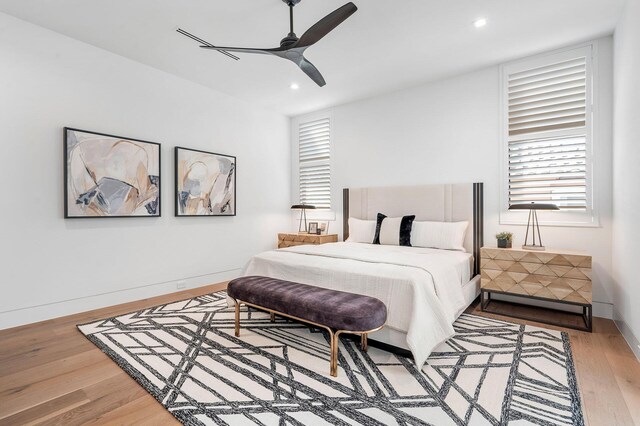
pixel 548 126
pixel 314 139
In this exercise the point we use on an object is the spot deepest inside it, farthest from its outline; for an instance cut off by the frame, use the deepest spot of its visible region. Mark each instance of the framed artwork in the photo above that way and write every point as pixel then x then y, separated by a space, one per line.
pixel 110 176
pixel 313 228
pixel 324 228
pixel 205 183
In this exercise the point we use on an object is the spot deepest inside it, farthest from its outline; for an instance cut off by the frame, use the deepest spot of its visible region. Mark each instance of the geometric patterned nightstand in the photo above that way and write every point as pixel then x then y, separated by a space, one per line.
pixel 552 275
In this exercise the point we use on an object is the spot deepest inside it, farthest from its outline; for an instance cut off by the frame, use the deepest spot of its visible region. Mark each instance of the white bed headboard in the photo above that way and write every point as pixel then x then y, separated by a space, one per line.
pixel 441 202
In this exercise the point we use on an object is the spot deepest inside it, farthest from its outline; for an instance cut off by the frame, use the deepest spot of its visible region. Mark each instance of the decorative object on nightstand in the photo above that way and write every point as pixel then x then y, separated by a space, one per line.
pixel 554 276
pixel 324 228
pixel 533 222
pixel 504 239
pixel 303 213
pixel 313 228
pixel 293 239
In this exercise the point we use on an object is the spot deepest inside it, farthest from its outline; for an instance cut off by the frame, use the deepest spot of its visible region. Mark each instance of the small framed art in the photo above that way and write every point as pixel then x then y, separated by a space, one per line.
pixel 205 183
pixel 110 176
pixel 313 227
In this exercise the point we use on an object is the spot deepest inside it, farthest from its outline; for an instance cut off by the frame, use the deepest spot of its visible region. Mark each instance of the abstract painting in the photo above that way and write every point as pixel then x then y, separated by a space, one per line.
pixel 110 176
pixel 205 183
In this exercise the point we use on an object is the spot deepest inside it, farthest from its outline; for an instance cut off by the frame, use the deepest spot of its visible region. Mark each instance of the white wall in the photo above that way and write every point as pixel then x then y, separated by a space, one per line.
pixel 449 131
pixel 626 174
pixel 51 266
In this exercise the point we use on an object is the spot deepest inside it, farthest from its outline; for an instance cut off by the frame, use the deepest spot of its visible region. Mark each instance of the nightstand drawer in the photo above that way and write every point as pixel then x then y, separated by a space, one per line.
pixel 295 239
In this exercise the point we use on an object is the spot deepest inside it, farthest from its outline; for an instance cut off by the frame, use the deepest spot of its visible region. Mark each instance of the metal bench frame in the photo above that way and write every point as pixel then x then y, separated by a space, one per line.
pixel 333 334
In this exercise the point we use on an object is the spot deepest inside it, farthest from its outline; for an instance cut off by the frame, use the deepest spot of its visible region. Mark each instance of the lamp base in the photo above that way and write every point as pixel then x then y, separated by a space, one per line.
pixel 539 248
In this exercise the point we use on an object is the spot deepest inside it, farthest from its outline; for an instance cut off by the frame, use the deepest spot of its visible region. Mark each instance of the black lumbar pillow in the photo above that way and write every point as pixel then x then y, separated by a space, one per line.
pixel 404 231
pixel 376 238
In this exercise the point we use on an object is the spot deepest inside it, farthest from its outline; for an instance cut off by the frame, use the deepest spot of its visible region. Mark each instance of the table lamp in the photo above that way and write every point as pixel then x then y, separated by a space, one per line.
pixel 533 222
pixel 303 213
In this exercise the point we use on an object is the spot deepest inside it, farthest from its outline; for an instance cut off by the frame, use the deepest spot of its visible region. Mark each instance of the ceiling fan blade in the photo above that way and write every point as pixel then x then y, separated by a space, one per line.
pixel 309 69
pixel 326 25
pixel 244 50
pixel 199 40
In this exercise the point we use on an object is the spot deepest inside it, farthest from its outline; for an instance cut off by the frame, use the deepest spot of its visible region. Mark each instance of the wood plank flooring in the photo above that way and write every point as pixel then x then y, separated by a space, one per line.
pixel 51 374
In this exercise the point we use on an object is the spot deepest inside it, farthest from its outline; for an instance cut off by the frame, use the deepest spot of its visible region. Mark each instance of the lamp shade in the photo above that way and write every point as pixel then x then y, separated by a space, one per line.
pixel 302 207
pixel 533 206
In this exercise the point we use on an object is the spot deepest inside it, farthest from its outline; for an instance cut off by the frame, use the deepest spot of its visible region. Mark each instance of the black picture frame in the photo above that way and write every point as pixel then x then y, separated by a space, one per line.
pixel 155 180
pixel 313 228
pixel 178 193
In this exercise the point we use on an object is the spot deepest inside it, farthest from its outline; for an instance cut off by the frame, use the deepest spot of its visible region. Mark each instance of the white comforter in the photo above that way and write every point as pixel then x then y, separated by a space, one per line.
pixel 420 287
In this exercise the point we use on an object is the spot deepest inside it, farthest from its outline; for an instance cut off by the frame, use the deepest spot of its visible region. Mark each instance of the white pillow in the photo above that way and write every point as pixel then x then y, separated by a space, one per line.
pixel 390 231
pixel 440 235
pixel 361 231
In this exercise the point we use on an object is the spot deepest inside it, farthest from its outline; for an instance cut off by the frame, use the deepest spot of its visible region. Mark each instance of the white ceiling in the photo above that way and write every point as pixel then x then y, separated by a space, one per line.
pixel 386 45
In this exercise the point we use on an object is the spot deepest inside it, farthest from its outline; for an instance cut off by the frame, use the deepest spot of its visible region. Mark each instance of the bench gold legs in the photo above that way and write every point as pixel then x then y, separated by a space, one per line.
pixel 334 342
pixel 237 318
pixel 334 336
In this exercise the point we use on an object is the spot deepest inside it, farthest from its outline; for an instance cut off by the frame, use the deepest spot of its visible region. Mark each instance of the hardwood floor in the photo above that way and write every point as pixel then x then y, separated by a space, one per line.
pixel 51 374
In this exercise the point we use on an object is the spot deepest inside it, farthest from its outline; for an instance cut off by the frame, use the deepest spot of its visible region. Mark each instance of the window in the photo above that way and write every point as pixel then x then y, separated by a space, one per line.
pixel 314 166
pixel 548 131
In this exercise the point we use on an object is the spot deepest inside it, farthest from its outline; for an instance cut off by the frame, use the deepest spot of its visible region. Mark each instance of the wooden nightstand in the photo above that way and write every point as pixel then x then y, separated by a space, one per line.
pixel 299 239
pixel 552 275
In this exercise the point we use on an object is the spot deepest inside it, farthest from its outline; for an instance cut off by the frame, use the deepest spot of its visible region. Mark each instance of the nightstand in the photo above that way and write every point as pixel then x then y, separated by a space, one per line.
pixel 299 239
pixel 557 276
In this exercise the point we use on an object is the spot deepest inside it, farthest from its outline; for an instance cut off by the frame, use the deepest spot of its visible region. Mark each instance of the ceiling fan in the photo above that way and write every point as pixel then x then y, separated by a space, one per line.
pixel 292 47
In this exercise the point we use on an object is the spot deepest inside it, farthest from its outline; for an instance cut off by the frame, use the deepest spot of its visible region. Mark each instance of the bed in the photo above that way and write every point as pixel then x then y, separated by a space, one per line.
pixel 424 289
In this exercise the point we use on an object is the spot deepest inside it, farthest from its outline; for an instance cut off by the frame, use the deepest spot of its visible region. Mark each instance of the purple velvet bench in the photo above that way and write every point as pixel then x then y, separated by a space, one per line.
pixel 336 311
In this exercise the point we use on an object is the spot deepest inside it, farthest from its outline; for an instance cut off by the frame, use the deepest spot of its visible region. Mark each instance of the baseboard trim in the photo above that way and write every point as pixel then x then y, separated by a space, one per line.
pixel 603 310
pixel 628 335
pixel 30 314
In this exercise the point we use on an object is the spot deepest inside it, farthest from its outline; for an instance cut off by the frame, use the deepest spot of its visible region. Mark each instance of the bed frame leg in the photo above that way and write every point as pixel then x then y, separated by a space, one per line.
pixel 237 318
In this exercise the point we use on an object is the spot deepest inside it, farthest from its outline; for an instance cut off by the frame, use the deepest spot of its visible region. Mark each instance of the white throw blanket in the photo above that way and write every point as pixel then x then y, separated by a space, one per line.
pixel 420 287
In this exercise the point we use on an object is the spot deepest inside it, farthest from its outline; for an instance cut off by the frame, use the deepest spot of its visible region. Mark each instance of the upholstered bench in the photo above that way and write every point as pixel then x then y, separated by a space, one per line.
pixel 336 311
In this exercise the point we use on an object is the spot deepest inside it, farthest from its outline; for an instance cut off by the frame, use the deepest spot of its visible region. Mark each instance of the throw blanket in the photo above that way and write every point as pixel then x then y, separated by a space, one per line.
pixel 420 287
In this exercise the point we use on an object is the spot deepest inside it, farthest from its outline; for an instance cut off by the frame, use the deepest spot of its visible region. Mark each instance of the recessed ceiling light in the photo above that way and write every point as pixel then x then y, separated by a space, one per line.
pixel 480 22
pixel 294 86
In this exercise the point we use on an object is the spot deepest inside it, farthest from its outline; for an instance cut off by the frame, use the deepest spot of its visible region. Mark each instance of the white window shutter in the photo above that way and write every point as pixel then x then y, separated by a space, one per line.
pixel 314 142
pixel 548 128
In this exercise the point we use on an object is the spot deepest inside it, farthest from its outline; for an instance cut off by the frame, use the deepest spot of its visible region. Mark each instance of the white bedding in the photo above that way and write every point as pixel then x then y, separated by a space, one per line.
pixel 421 287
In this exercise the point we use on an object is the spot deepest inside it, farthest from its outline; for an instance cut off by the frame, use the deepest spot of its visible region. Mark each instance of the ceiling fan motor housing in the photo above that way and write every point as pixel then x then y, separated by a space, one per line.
pixel 289 40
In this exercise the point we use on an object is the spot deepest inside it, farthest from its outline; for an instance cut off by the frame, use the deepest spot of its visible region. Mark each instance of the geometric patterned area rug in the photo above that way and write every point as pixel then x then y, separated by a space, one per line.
pixel 186 355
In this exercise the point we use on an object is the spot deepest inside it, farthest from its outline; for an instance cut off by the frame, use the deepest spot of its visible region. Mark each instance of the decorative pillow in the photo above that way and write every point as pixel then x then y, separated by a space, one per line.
pixel 440 235
pixel 376 237
pixel 361 231
pixel 393 230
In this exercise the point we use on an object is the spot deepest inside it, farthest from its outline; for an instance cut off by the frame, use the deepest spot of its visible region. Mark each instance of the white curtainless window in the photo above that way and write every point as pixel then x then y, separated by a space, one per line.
pixel 547 128
pixel 314 162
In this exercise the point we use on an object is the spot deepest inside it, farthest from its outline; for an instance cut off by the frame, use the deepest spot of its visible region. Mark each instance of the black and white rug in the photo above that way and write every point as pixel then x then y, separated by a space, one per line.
pixel 185 354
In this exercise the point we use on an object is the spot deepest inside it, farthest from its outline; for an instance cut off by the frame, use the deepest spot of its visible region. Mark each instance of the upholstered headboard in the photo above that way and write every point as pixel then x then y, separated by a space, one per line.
pixel 442 203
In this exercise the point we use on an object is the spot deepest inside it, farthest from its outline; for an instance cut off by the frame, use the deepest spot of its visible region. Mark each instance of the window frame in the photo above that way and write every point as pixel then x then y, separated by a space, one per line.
pixel 590 216
pixel 295 155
